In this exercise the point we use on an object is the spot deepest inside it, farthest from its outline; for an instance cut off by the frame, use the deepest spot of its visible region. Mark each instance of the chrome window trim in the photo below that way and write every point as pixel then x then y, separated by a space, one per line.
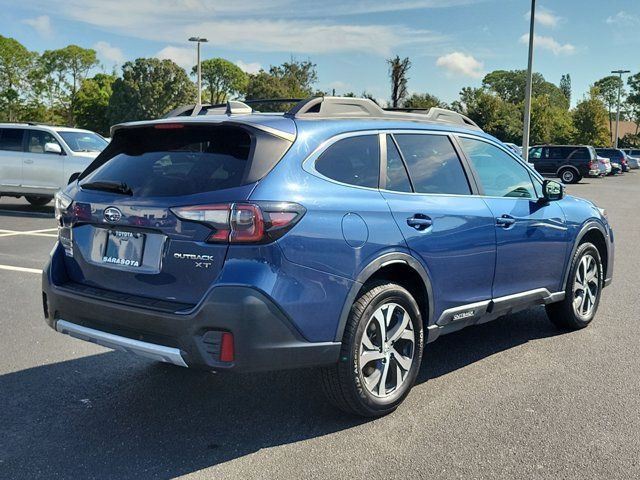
pixel 309 163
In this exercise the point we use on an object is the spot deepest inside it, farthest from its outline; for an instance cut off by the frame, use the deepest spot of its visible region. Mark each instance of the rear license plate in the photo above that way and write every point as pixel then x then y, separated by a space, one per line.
pixel 124 248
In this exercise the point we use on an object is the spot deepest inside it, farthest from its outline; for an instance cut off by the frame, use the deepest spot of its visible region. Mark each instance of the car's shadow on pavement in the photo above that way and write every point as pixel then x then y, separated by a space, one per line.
pixel 112 415
pixel 25 210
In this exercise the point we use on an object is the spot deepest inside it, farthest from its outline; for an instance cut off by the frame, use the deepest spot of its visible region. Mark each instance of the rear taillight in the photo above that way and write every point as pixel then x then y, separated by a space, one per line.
pixel 593 164
pixel 259 222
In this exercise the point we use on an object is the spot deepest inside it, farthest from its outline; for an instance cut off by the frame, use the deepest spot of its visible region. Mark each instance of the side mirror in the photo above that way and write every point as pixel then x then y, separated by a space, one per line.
pixel 73 177
pixel 52 147
pixel 552 190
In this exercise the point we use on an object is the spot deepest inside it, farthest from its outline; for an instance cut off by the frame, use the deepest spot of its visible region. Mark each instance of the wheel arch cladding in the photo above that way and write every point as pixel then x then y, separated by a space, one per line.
pixel 595 233
pixel 400 268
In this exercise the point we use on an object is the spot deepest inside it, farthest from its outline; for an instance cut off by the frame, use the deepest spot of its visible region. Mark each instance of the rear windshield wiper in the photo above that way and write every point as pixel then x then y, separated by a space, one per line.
pixel 116 187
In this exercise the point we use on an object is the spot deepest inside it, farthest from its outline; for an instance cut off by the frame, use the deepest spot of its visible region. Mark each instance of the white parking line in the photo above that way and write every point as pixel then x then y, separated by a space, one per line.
pixel 20 269
pixel 33 233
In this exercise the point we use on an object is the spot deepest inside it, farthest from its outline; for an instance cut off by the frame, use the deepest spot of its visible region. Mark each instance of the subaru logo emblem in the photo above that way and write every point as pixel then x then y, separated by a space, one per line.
pixel 112 214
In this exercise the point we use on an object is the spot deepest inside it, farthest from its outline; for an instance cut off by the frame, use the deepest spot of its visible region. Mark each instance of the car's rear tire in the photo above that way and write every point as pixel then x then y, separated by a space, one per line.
pixel 38 200
pixel 568 175
pixel 582 293
pixel 381 352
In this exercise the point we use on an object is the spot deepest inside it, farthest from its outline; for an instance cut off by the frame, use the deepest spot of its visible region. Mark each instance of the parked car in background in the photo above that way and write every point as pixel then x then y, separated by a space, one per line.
pixel 605 166
pixel 516 149
pixel 37 160
pixel 338 235
pixel 634 152
pixel 618 159
pixel 568 162
pixel 634 162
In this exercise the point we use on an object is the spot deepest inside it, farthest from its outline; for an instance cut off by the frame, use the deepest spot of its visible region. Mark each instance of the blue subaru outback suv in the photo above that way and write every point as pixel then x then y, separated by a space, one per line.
pixel 337 235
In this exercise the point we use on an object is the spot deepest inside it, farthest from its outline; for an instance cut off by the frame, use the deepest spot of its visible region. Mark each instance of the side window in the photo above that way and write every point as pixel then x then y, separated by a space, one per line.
pixel 36 140
pixel 397 178
pixel 500 175
pixel 354 161
pixel 535 153
pixel 557 153
pixel 433 164
pixel 11 139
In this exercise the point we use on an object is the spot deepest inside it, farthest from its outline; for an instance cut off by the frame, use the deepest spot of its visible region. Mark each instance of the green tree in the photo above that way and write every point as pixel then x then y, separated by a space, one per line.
pixel 608 92
pixel 91 108
pixel 62 72
pixel 494 115
pixel 510 86
pixel 222 79
pixel 633 99
pixel 549 123
pixel 423 100
pixel 565 86
pixel 590 120
pixel 398 69
pixel 148 89
pixel 16 63
pixel 293 79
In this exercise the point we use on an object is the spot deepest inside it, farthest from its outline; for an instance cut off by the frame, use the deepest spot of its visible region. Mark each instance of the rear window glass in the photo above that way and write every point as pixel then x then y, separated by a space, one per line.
pixel 354 161
pixel 184 161
pixel 11 139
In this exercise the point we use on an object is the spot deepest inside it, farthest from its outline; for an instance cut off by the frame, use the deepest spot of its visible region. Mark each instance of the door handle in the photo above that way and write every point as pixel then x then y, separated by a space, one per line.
pixel 505 221
pixel 28 160
pixel 419 221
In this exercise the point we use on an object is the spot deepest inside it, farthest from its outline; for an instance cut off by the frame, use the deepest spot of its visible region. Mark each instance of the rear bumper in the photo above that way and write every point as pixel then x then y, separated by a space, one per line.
pixel 263 336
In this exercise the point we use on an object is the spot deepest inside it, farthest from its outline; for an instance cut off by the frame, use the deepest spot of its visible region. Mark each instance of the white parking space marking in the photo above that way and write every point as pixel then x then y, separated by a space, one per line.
pixel 20 269
pixel 35 233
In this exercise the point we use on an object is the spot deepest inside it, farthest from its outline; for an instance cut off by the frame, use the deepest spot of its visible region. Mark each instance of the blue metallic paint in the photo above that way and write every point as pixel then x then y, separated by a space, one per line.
pixel 312 272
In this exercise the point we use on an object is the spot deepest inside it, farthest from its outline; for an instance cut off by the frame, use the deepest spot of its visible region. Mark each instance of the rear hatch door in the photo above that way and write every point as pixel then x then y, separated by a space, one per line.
pixel 121 234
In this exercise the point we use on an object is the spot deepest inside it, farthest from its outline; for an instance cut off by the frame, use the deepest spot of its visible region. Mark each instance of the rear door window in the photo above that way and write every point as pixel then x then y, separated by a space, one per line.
pixel 11 139
pixel 161 161
pixel 397 177
pixel 354 161
pixel 434 166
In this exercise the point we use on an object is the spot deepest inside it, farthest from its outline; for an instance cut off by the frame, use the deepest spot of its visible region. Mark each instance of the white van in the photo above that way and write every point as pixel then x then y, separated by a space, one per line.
pixel 38 160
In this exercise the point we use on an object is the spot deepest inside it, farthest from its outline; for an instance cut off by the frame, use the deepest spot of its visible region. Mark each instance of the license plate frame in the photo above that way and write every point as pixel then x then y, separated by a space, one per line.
pixel 124 248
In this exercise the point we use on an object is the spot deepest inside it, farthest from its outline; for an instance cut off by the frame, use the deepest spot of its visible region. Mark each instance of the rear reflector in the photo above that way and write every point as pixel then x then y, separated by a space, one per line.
pixel 226 348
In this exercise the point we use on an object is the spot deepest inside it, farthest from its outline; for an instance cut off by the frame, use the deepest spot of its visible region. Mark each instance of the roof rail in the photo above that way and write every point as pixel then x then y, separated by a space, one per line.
pixel 335 107
pixel 232 107
pixel 331 107
pixel 348 107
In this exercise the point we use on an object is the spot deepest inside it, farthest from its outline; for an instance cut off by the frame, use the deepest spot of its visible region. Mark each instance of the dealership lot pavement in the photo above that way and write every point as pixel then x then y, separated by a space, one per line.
pixel 514 398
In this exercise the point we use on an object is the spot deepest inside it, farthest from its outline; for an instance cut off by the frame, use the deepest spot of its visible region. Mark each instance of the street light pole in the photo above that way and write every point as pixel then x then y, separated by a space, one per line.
pixel 527 93
pixel 199 40
pixel 619 72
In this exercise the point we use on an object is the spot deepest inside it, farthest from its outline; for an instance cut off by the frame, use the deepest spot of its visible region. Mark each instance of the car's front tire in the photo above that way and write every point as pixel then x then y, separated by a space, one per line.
pixel 381 352
pixel 582 293
pixel 568 175
pixel 38 200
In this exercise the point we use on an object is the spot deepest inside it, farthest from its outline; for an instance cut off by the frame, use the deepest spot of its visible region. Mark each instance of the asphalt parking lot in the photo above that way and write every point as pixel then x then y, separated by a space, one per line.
pixel 514 398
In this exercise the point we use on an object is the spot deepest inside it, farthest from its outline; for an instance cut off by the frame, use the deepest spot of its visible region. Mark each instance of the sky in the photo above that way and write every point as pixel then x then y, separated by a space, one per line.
pixel 451 43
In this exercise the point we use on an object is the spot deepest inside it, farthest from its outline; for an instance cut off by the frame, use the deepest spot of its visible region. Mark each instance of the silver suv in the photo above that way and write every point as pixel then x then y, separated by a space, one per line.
pixel 38 160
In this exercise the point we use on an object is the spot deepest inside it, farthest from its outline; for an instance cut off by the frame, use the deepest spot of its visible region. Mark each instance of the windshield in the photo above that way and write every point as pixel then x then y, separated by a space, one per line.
pixel 84 141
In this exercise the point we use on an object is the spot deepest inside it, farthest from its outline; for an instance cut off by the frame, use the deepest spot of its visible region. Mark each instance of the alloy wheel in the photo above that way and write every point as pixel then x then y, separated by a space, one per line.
pixel 387 350
pixel 586 286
